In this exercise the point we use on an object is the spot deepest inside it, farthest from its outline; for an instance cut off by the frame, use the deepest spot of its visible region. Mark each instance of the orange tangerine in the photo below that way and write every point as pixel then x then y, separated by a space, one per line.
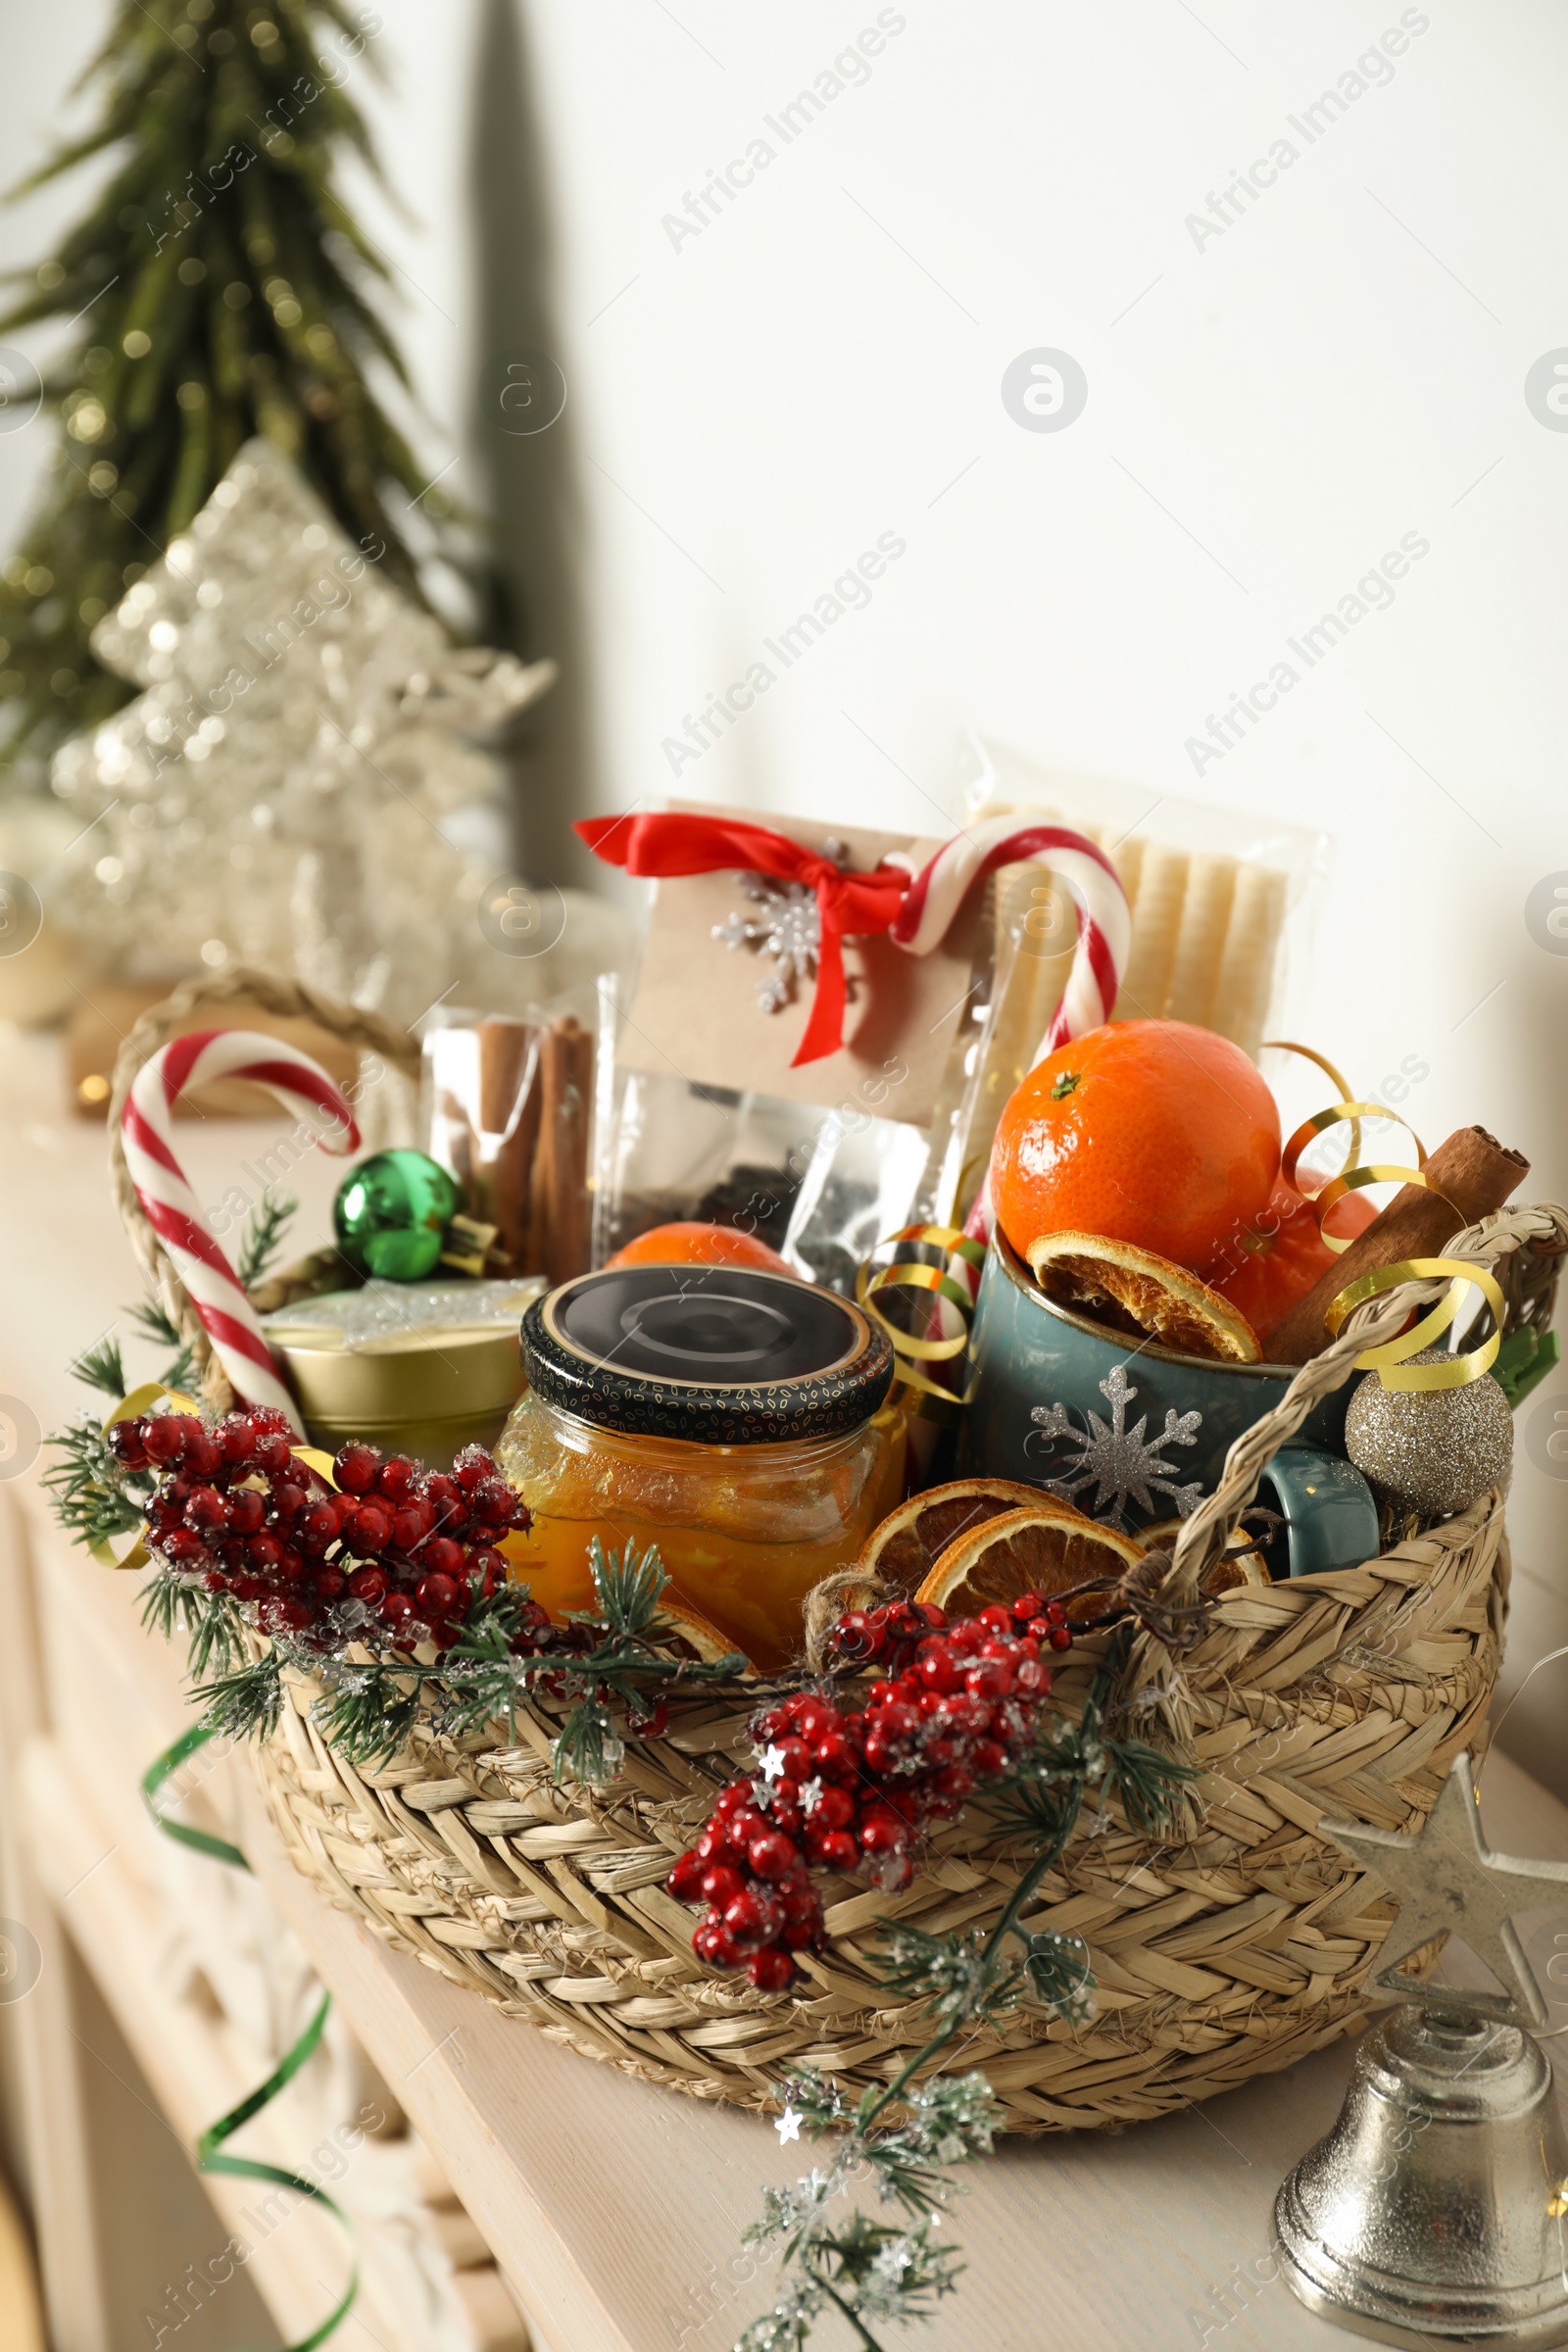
pixel 1267 1266
pixel 689 1244
pixel 1155 1133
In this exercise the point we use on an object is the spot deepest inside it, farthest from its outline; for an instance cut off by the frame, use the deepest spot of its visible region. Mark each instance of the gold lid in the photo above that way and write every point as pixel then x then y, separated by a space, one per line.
pixel 418 1375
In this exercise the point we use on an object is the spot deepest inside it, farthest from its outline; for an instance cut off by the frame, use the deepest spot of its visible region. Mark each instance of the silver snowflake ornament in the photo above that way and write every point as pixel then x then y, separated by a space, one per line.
pixel 788 927
pixel 1118 1462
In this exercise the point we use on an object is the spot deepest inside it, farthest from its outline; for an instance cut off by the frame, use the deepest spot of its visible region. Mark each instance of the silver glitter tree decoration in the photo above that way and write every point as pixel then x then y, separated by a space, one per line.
pixel 275 794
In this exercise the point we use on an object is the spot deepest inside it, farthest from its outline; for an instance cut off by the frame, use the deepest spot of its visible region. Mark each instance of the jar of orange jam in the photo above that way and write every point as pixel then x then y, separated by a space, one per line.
pixel 737 1420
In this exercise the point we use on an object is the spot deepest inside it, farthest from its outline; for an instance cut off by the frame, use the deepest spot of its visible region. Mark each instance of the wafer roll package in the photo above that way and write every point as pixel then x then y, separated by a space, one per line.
pixel 1220 905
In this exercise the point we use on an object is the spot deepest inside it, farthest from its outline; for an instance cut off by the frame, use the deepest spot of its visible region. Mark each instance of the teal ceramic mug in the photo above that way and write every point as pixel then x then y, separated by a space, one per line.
pixel 1132 1433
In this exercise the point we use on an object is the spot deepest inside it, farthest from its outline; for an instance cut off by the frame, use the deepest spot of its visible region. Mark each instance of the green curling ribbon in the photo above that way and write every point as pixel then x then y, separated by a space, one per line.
pixel 163 1768
pixel 209 2148
pixel 210 2159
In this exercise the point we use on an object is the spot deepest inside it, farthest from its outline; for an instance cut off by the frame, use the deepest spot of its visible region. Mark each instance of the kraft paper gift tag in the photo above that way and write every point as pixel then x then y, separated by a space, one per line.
pixel 695 1013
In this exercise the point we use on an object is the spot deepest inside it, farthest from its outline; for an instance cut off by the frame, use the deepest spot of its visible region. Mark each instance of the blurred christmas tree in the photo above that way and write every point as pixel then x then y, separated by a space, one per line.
pixel 217 281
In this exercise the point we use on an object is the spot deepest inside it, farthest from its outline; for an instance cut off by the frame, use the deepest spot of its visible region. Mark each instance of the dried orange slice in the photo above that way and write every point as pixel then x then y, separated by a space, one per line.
pixel 1048 1549
pixel 1228 1574
pixel 904 1548
pixel 687 1633
pixel 1138 1291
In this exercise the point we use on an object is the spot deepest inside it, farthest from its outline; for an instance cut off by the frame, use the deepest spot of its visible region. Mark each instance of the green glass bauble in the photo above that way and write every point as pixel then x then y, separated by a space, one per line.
pixel 391 1214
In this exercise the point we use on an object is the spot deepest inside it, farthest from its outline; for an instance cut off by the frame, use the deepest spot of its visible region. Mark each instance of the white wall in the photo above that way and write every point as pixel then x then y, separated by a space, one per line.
pixel 1267 414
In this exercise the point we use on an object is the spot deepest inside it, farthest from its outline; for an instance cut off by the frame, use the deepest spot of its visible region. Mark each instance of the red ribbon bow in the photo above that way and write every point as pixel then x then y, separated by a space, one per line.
pixel 850 905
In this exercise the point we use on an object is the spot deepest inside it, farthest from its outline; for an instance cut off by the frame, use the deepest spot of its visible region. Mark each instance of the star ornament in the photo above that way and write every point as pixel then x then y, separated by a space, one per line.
pixel 1447 1879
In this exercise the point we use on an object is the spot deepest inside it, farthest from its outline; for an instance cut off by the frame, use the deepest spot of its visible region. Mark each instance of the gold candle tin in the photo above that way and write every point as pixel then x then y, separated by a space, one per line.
pixel 423 1369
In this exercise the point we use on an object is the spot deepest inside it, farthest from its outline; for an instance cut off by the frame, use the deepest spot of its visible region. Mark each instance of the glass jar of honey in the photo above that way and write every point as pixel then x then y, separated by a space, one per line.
pixel 737 1420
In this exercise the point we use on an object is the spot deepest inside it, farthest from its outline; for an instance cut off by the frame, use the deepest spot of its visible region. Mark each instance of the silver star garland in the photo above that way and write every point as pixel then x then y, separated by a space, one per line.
pixel 1448 1879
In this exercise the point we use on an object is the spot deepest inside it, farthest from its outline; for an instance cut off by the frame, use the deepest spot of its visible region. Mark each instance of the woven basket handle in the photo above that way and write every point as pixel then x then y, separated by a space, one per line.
pixel 285 999
pixel 1505 1244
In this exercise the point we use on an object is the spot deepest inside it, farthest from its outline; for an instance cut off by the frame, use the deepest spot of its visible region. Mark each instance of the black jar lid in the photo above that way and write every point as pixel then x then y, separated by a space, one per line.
pixel 719 1355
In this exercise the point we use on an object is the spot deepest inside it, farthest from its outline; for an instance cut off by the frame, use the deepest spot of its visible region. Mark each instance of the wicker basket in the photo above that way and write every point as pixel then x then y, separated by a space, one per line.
pixel 1230 1949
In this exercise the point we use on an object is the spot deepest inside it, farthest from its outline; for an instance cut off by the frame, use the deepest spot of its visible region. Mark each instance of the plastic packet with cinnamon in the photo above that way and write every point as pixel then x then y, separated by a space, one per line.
pixel 508 1105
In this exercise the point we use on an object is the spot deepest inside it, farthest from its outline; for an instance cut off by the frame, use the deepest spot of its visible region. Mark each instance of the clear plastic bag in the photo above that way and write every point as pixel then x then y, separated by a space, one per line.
pixel 508 1107
pixel 669 1150
pixel 860 1187
pixel 817 1184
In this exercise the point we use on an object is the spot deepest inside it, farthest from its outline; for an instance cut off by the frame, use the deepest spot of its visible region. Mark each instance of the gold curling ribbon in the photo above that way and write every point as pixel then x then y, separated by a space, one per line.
pixel 1335 1076
pixel 141 1400
pixel 314 1459
pixel 1288 1045
pixel 1351 1179
pixel 107 1557
pixel 130 1408
pixel 1390 1360
pixel 914 1274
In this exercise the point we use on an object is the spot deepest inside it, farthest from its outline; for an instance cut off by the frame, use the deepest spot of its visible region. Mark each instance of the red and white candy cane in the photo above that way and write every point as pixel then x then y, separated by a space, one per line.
pixel 915 909
pixel 1104 930
pixel 1104 925
pixel 172 1210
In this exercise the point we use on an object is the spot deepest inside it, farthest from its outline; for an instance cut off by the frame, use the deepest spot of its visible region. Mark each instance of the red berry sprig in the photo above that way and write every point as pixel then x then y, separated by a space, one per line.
pixel 235 1505
pixel 846 1790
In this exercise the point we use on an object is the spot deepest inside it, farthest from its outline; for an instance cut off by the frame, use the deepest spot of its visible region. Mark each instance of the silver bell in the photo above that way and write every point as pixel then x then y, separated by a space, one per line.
pixel 1434 2211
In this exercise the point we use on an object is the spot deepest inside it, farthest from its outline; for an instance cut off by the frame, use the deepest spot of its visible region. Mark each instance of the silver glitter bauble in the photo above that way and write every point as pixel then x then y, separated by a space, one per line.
pixel 1432 1450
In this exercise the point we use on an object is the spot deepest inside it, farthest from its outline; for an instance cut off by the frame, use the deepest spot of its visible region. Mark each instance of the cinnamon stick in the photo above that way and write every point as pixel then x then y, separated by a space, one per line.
pixel 1474 1175
pixel 559 1214
pixel 458 1143
pixel 503 1065
pixel 509 1128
